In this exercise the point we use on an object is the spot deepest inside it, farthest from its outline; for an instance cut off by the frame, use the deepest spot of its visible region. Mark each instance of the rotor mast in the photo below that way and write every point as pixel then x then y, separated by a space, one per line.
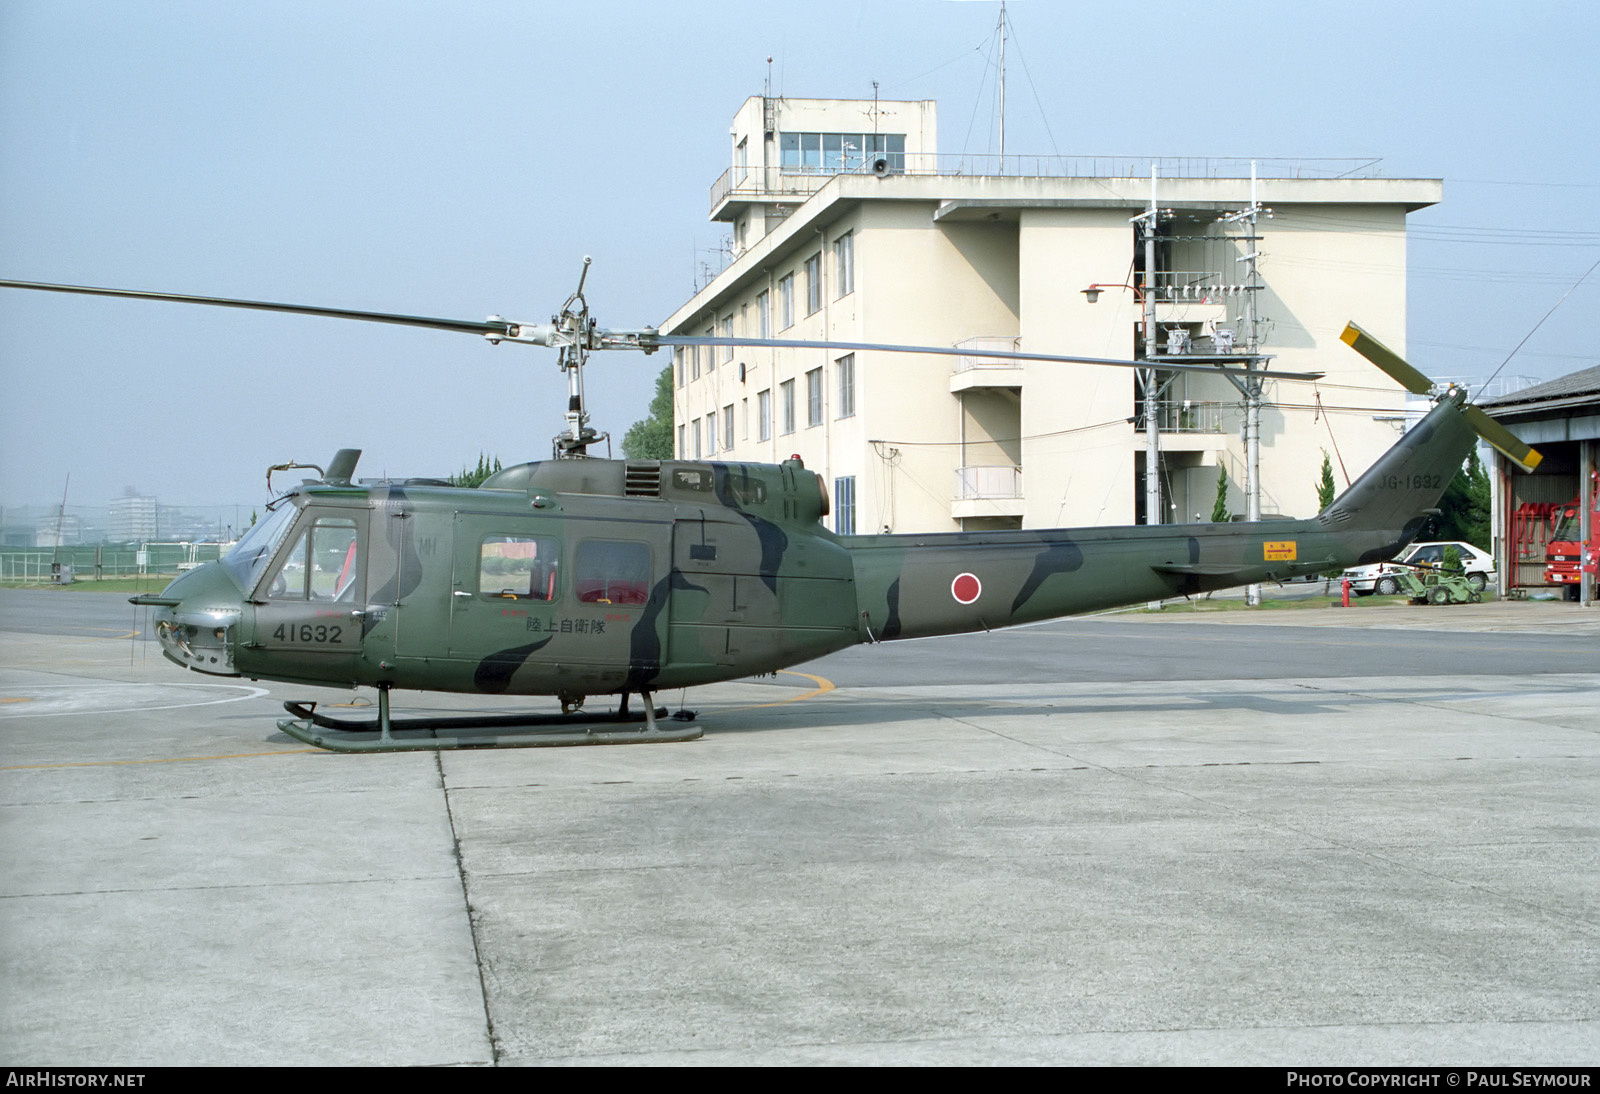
pixel 577 324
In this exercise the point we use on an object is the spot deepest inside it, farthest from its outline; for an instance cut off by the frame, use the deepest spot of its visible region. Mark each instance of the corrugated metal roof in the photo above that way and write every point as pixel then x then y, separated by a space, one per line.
pixel 1583 382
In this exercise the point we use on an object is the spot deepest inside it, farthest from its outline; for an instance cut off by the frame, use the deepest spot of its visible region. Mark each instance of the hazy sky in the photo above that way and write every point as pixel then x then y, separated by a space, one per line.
pixel 459 159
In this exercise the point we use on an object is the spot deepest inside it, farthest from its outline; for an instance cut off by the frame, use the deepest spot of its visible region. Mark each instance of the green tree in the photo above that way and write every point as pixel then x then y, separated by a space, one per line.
pixel 1464 509
pixel 1219 507
pixel 1325 485
pixel 651 438
pixel 474 476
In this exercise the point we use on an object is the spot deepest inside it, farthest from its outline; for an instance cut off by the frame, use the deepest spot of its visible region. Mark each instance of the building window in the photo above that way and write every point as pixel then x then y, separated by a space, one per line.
pixel 844 505
pixel 677 363
pixel 727 332
pixel 744 419
pixel 694 362
pixel 844 265
pixel 830 153
pixel 845 369
pixel 764 314
pixel 683 442
pixel 727 426
pixel 786 301
pixel 814 283
pixel 711 434
pixel 814 397
pixel 764 415
pixel 786 401
pixel 711 351
pixel 694 427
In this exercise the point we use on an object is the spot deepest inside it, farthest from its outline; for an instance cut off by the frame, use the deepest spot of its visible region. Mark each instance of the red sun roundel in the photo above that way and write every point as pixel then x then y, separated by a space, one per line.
pixel 966 588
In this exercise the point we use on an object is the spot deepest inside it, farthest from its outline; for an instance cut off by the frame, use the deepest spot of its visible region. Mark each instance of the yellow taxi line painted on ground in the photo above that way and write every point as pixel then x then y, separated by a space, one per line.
pixel 823 687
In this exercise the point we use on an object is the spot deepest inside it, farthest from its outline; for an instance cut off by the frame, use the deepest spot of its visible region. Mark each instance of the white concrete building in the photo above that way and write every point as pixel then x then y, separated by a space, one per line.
pixel 847 225
pixel 132 518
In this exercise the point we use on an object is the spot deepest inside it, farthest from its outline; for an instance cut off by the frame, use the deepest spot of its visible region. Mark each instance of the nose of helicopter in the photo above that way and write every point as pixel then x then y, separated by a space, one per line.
pixel 197 619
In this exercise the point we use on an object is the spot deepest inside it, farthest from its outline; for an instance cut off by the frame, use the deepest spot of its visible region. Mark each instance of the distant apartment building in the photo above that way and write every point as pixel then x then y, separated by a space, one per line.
pixel 132 519
pixel 848 225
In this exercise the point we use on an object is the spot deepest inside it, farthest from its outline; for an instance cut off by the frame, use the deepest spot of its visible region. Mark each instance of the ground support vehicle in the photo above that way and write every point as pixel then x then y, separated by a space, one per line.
pixel 1427 585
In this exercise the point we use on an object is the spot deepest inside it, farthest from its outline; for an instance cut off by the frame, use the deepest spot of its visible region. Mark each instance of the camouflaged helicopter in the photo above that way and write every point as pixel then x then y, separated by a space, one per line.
pixel 577 576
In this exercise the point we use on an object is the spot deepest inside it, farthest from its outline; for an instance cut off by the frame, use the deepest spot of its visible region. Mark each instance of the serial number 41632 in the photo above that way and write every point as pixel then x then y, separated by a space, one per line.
pixel 308 632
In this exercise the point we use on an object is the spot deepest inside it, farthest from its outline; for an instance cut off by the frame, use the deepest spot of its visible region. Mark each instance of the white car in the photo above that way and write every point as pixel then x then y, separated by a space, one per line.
pixel 1379 577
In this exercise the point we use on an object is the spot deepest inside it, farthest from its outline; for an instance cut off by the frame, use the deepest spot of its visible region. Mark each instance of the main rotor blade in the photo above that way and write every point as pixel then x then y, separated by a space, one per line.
pixel 1503 439
pixel 1386 359
pixel 464 326
pixel 948 351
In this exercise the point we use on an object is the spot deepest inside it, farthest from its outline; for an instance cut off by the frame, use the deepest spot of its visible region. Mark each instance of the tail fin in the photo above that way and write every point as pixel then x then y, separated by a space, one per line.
pixel 1410 478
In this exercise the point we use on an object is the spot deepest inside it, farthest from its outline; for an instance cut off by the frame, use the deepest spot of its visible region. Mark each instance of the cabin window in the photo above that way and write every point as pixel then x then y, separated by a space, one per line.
pixel 323 563
pixel 518 567
pixel 613 571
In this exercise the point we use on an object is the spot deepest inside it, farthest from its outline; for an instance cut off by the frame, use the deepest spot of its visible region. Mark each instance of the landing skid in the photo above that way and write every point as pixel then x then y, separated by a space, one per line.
pixel 386 734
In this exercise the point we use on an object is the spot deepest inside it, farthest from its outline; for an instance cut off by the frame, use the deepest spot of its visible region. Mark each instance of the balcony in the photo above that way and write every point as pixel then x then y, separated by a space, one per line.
pixel 1187 425
pixel 988 491
pixel 975 370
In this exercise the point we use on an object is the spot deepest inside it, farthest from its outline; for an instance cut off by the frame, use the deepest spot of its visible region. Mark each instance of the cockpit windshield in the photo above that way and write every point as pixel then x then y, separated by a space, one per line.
pixel 256 547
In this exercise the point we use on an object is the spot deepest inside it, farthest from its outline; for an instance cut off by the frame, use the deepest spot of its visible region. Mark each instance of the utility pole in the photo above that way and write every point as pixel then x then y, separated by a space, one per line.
pixel 1250 386
pixel 1152 432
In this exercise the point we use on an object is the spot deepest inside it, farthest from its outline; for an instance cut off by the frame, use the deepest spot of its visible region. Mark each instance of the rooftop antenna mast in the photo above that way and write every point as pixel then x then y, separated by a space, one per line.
pixel 1002 87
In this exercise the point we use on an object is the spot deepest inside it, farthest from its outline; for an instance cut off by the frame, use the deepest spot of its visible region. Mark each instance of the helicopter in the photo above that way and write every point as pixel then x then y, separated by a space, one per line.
pixel 577 576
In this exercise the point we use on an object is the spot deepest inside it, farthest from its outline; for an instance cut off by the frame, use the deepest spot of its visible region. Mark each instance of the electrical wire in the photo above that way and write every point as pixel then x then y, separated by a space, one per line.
pixel 1540 323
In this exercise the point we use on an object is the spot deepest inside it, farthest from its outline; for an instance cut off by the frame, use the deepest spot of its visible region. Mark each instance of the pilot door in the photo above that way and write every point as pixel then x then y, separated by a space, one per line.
pixel 310 605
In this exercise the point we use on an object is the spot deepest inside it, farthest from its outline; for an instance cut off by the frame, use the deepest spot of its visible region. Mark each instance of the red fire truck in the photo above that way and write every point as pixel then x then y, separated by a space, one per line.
pixel 1567 556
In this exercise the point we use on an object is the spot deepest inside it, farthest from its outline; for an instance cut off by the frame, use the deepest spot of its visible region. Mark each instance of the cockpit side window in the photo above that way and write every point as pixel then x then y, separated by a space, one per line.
pixel 323 562
pixel 519 567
